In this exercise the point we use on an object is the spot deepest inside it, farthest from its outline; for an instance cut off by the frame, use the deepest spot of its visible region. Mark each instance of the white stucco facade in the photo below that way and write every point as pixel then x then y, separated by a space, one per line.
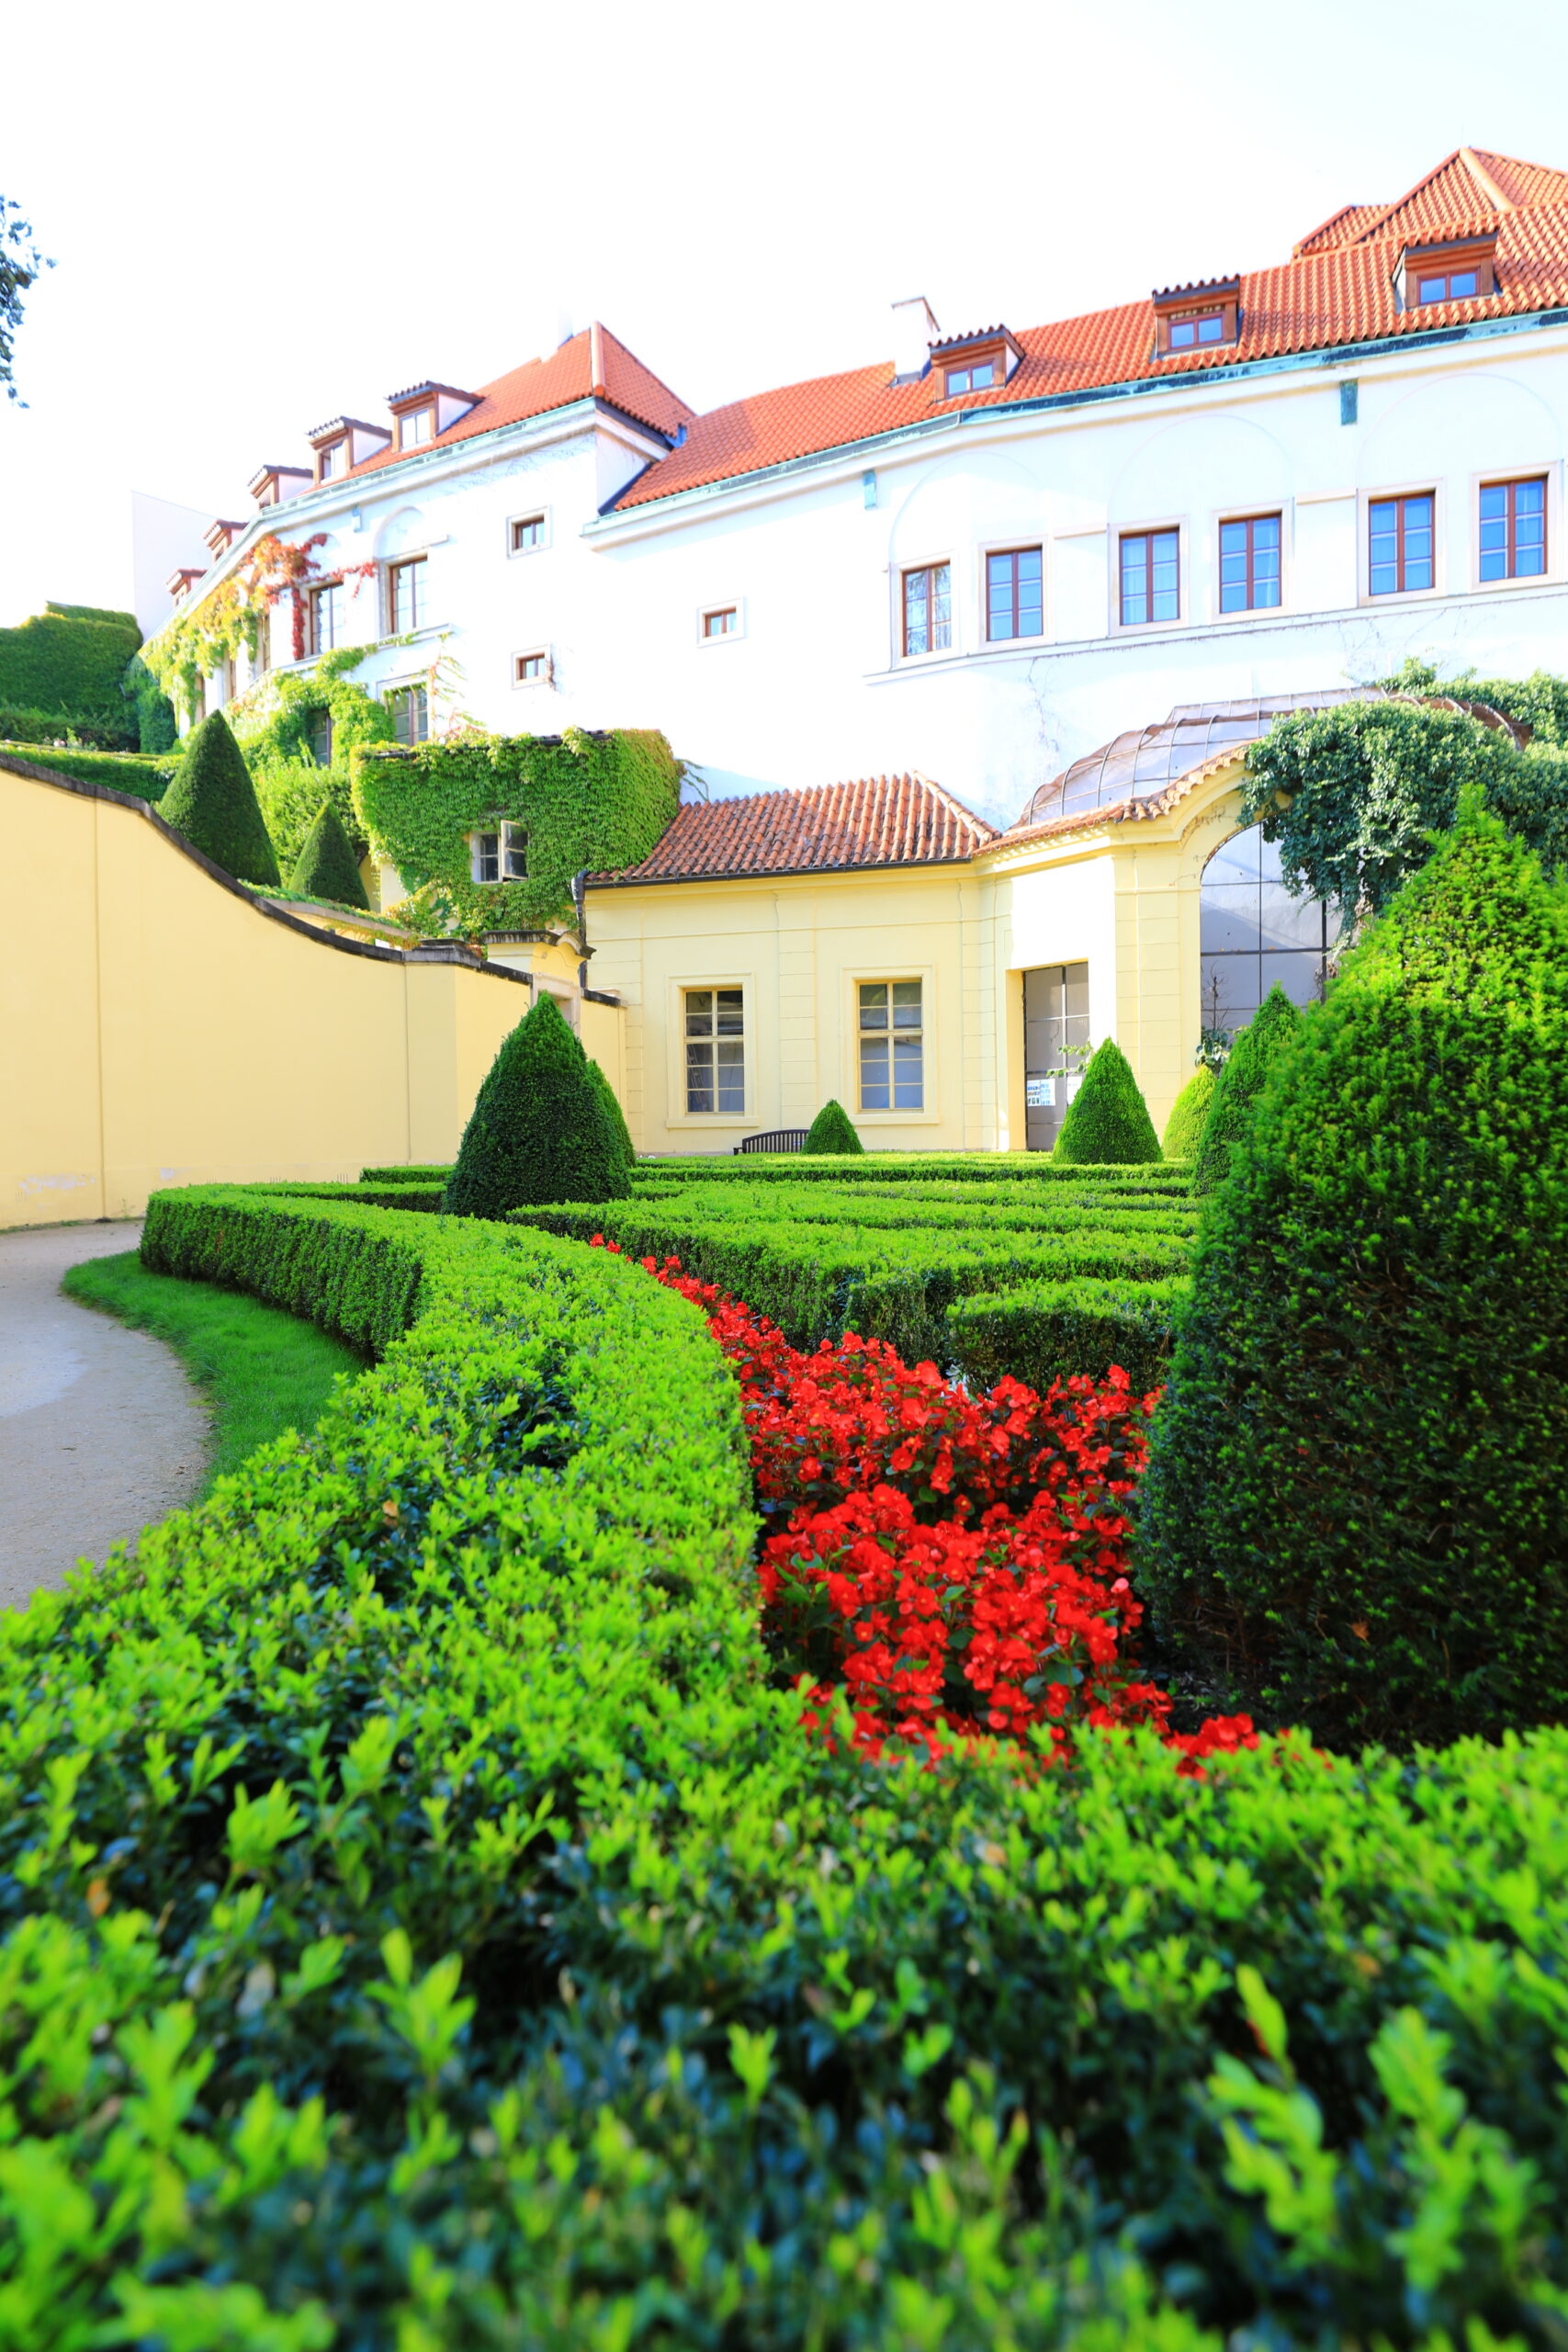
pixel 811 681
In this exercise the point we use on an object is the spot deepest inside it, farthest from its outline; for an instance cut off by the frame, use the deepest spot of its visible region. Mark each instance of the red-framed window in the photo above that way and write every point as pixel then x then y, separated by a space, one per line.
pixel 410 713
pixel 928 610
pixel 1401 544
pixel 1249 564
pixel 1015 584
pixel 1151 577
pixel 323 616
pixel 1198 332
pixel 1513 529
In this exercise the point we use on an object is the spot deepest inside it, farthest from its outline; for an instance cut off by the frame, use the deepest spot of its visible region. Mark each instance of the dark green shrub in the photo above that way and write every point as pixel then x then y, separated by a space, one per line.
pixel 327 867
pixel 1272 1029
pixel 617 1116
pixel 1188 1115
pixel 1108 1122
pixel 1356 1511
pixel 157 729
pixel 212 802
pixel 539 1129
pixel 1044 1331
pixel 833 1131
pixel 423 1921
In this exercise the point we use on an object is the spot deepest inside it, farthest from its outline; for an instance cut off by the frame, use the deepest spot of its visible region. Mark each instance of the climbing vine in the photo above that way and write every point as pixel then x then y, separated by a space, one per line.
pixel 585 800
pixel 230 616
pixel 300 731
pixel 1353 794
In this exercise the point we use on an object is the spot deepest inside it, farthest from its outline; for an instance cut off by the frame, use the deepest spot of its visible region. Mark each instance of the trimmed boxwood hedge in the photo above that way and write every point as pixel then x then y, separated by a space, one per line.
pixel 424 1925
pixel 1043 1331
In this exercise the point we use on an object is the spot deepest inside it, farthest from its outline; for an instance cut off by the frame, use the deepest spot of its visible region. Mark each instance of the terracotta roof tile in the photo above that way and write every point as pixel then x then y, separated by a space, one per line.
pixel 556 381
pixel 835 828
pixel 1338 289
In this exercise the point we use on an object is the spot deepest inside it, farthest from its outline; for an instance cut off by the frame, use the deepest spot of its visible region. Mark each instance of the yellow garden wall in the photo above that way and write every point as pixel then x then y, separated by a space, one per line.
pixel 157 1027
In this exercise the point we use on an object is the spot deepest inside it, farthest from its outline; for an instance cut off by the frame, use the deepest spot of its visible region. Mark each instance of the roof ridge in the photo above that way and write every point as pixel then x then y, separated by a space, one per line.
pixel 627 353
pixel 1474 165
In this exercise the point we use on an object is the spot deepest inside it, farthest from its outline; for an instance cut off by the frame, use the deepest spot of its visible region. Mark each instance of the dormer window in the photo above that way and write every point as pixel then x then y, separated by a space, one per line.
pixel 333 462
pixel 424 412
pixel 1191 319
pixel 974 363
pixel 220 535
pixel 270 485
pixel 179 583
pixel 1459 271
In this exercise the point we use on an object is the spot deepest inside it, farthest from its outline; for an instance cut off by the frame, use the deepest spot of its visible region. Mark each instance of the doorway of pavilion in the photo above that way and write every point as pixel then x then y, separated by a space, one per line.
pixel 1056 1034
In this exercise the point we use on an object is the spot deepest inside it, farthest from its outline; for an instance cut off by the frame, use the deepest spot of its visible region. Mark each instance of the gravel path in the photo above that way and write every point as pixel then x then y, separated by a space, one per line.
pixel 101 1433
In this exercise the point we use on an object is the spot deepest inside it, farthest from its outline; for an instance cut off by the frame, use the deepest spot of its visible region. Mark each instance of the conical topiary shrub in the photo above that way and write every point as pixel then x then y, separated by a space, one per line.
pixel 832 1130
pixel 1188 1115
pixel 1272 1027
pixel 1108 1122
pixel 326 867
pixel 617 1116
pixel 539 1129
pixel 213 803
pixel 1356 1511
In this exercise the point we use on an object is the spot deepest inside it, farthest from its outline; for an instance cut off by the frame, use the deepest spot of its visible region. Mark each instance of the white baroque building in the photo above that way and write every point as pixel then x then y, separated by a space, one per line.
pixel 994 548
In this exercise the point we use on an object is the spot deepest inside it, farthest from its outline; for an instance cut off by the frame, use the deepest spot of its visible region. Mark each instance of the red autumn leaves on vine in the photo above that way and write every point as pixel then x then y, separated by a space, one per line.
pixel 955 1563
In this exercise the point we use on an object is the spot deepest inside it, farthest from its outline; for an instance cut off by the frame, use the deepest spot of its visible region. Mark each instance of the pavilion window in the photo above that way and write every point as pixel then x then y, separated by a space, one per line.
pixel 715 1050
pixel 892 1046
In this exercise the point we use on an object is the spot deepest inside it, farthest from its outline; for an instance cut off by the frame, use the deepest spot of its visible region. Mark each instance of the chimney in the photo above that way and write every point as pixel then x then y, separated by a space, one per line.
pixel 914 332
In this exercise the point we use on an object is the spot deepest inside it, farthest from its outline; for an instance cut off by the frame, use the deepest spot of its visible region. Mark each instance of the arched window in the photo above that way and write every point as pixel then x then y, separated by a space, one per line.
pixel 1253 932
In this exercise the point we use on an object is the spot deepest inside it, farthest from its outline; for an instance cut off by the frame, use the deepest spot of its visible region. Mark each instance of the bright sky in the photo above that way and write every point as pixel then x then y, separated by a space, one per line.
pixel 262 217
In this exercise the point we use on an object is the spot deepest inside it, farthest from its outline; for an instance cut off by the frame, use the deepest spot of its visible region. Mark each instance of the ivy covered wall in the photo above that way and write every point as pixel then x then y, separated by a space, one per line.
pixel 591 801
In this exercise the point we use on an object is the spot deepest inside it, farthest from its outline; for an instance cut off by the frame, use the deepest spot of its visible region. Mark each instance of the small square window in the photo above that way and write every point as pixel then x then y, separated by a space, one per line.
pixel 978 376
pixel 892 1047
pixel 715 1050
pixel 723 621
pixel 527 533
pixel 500 856
pixel 1195 333
pixel 530 668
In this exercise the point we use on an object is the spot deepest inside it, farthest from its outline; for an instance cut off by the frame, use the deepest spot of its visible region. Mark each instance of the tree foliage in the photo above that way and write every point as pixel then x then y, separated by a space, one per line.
pixel 326 867
pixel 539 1129
pixel 1272 1027
pixel 212 802
pixel 1353 795
pixel 1188 1115
pixel 1356 1511
pixel 1108 1121
pixel 832 1130
pixel 20 263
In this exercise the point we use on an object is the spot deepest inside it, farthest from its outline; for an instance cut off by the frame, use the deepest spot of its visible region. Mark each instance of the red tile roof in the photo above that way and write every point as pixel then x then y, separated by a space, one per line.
pixel 566 375
pixel 1337 289
pixel 834 828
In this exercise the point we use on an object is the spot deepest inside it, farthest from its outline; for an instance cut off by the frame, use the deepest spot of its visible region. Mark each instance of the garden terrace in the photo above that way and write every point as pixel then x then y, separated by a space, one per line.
pixel 426 1921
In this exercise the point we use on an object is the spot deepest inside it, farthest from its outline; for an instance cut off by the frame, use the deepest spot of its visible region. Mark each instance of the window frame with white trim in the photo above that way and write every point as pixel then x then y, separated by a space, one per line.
pixel 1118 535
pixel 415 567
pixel 1425 486
pixel 927 569
pixel 716 1011
pixel 531 518
pixel 856 1034
pixel 1548 471
pixel 504 844
pixel 731 609
pixel 533 666
pixel 418 693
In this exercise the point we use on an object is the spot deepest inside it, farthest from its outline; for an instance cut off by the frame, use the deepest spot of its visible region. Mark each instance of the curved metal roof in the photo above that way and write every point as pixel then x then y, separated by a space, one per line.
pixel 1142 762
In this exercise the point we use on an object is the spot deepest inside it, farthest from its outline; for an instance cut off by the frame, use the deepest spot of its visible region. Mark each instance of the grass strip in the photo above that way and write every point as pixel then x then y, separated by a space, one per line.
pixel 264 1371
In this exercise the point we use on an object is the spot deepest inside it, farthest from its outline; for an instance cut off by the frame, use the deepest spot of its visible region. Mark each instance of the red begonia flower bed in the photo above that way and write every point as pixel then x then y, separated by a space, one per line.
pixel 956 1565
